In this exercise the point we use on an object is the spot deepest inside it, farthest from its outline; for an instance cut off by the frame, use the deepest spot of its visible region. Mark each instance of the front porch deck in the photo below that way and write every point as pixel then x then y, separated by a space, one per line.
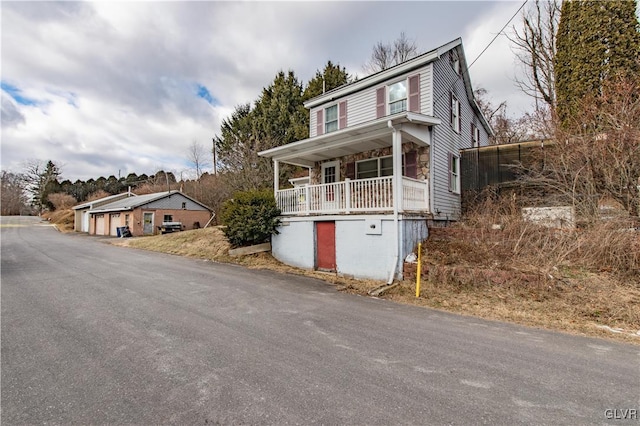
pixel 354 196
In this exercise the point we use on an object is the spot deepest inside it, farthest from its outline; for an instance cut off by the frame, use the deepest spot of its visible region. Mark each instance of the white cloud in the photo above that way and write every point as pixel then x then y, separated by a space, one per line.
pixel 115 84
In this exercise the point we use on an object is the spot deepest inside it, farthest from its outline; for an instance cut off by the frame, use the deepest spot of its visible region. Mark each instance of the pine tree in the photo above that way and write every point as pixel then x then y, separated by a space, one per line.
pixel 596 41
pixel 331 77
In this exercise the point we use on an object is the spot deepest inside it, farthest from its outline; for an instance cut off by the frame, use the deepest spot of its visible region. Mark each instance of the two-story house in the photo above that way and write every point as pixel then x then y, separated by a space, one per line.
pixel 384 163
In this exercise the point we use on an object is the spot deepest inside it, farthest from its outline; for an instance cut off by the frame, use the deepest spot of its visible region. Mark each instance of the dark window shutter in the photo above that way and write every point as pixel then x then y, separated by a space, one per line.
pixel 319 123
pixel 411 164
pixel 459 116
pixel 350 170
pixel 380 102
pixel 414 93
pixel 342 115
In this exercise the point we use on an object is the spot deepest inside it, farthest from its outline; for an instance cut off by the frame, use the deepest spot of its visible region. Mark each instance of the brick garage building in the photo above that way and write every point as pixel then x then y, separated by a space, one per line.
pixel 146 214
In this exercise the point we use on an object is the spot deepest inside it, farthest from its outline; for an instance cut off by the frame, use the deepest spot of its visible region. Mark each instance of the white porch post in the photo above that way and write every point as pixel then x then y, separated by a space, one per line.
pixel 397 169
pixel 276 178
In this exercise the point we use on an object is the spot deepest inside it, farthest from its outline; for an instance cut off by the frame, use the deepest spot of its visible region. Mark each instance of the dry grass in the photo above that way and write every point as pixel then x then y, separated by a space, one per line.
pixel 62 219
pixel 464 275
pixel 211 244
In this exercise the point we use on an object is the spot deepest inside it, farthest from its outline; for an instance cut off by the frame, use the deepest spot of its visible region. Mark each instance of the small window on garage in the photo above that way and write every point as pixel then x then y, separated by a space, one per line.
pixel 168 218
pixel 126 220
pixel 184 206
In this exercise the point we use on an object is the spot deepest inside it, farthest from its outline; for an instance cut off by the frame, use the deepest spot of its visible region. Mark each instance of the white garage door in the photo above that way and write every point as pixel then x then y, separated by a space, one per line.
pixel 85 222
pixel 114 223
pixel 100 224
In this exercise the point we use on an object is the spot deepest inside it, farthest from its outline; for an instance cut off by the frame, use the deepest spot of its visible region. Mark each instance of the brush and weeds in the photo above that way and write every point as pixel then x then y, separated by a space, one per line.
pixel 496 265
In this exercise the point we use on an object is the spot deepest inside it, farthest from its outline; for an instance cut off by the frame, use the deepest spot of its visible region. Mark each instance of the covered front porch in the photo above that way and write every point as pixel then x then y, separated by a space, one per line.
pixel 336 194
pixel 353 196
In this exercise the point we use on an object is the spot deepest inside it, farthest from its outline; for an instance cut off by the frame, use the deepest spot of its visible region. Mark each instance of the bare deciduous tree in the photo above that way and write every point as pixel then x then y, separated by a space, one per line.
pixel 598 157
pixel 13 199
pixel 535 49
pixel 198 157
pixel 505 129
pixel 387 55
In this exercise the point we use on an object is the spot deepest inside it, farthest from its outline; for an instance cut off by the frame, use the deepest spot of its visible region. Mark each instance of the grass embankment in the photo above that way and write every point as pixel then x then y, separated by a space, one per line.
pixel 62 219
pixel 471 273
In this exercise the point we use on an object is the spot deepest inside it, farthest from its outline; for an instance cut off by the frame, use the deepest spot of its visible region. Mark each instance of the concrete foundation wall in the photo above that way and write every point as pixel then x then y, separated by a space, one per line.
pixel 365 255
pixel 365 245
pixel 295 245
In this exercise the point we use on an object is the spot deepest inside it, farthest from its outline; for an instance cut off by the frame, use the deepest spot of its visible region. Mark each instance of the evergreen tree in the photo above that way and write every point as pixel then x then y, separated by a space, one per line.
pixel 278 117
pixel 596 40
pixel 279 113
pixel 331 77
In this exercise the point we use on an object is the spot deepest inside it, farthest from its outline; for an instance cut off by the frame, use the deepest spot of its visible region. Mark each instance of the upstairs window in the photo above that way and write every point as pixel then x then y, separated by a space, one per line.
pixel 455 113
pixel 475 136
pixel 331 119
pixel 398 97
pixel 455 61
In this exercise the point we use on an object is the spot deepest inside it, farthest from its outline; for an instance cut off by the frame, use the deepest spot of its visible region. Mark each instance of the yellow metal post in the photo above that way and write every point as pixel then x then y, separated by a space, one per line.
pixel 419 270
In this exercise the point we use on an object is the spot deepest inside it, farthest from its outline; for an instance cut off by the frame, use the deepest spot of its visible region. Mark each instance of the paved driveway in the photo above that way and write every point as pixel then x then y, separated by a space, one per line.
pixel 93 333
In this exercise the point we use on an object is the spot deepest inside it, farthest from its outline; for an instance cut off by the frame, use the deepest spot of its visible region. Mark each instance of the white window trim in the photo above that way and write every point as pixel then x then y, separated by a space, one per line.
pixel 475 138
pixel 372 159
pixel 455 113
pixel 406 98
pixel 327 164
pixel 455 61
pixel 454 178
pixel 337 120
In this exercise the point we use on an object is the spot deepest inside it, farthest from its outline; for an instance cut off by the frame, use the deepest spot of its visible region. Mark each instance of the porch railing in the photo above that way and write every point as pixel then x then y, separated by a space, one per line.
pixel 352 196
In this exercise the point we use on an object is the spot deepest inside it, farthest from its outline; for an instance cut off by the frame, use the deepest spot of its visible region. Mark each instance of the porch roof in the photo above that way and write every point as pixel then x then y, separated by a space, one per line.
pixel 352 140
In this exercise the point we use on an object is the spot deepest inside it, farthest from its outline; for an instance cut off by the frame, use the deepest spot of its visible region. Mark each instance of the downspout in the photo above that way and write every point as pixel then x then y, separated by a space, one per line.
pixel 395 207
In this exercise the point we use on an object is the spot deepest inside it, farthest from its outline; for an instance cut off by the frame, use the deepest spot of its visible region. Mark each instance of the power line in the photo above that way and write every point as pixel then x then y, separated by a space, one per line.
pixel 499 32
pixel 478 57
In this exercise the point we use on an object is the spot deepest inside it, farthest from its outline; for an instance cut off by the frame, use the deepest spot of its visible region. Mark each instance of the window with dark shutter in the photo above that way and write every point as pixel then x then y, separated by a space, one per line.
pixel 414 93
pixel 380 103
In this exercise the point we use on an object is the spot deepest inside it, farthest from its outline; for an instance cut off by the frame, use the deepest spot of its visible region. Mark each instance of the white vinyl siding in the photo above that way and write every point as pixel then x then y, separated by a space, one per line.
pixel 446 141
pixel 426 92
pixel 361 106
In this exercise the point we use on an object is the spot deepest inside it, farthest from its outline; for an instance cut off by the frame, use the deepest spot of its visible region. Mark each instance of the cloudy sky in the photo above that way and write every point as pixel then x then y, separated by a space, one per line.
pixel 109 88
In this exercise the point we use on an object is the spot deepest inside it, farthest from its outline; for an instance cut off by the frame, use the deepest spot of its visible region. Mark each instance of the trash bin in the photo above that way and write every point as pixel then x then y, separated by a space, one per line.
pixel 119 231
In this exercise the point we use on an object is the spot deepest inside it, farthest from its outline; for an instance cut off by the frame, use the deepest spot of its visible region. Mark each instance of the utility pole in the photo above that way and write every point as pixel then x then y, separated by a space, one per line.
pixel 214 157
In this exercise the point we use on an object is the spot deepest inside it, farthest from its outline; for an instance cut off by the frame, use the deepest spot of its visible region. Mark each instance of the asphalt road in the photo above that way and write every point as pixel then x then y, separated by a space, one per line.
pixel 95 334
